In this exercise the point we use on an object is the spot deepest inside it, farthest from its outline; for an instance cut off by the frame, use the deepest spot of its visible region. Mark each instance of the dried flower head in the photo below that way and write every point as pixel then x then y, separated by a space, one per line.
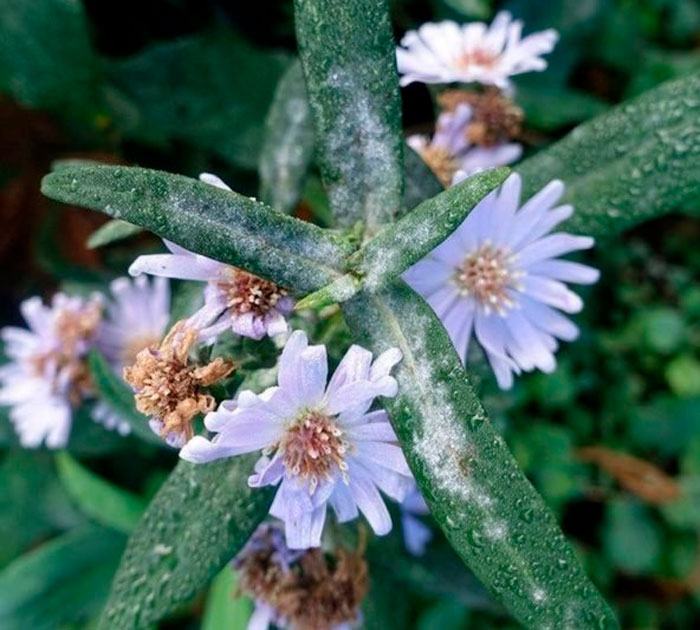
pixel 495 118
pixel 301 590
pixel 47 374
pixel 169 389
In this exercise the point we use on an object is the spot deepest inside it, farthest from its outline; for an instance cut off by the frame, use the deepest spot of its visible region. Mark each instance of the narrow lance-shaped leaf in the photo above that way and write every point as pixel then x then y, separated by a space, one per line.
pixel 420 181
pixel 98 498
pixel 217 223
pixel 117 395
pixel 489 511
pixel 112 231
pixel 348 54
pixel 60 583
pixel 407 241
pixel 288 143
pixel 637 161
pixel 198 520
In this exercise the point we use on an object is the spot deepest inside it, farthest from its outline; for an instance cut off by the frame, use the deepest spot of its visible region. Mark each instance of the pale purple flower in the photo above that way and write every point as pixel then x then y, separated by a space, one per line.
pixel 46 376
pixel 451 155
pixel 498 276
pixel 135 318
pixel 233 299
pixel 320 443
pixel 416 534
pixel 446 52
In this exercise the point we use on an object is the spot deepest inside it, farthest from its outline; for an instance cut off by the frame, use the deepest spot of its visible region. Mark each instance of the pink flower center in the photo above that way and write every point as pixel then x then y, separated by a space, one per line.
pixel 487 274
pixel 312 446
pixel 477 57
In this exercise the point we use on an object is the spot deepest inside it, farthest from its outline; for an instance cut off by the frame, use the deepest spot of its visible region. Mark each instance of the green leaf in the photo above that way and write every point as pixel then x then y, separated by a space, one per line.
pixel 421 183
pixel 33 505
pixel 117 395
pixel 348 54
pixel 225 608
pixel 97 498
pixel 487 508
pixel 401 244
pixel 63 581
pixel 637 161
pixel 199 519
pixel 114 230
pixel 288 144
pixel 631 538
pixel 218 223
pixel 223 89
pixel 46 60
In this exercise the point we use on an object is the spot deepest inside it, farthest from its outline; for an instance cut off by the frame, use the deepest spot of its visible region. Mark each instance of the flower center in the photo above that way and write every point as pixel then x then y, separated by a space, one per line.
pixel 441 161
pixel 246 293
pixel 477 57
pixel 312 445
pixel 487 274
pixel 73 328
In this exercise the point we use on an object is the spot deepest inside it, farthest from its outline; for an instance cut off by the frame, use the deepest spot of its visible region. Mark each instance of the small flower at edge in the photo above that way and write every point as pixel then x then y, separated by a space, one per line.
pixel 321 445
pixel 301 589
pixel 47 375
pixel 446 52
pixel 498 276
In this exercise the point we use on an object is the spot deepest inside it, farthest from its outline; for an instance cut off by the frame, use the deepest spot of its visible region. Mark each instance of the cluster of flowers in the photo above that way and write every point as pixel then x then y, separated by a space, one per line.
pixel 476 128
pixel 322 441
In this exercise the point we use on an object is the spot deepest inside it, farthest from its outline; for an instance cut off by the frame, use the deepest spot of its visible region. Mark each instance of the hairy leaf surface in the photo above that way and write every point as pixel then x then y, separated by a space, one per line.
pixel 218 223
pixel 489 511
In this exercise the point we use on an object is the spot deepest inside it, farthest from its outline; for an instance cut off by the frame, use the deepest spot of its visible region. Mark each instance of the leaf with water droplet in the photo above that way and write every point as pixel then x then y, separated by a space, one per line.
pixel 637 161
pixel 184 539
pixel 218 223
pixel 348 54
pixel 489 511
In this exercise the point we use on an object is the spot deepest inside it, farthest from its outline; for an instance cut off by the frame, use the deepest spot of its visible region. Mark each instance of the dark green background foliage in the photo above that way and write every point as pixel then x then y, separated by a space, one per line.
pixel 185 86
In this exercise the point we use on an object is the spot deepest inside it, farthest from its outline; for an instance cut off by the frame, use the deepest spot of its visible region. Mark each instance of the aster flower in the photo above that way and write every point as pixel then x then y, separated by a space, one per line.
pixel 499 277
pixel 169 388
pixel 47 376
pixel 321 444
pixel 300 590
pixel 450 151
pixel 233 299
pixel 136 319
pixel 446 52
pixel 416 534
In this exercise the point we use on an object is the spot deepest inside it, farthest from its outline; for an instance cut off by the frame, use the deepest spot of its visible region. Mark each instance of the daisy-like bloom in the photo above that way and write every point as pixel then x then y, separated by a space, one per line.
pixel 450 151
pixel 446 52
pixel 233 299
pixel 320 444
pixel 169 389
pixel 416 534
pixel 47 375
pixel 499 276
pixel 136 319
pixel 300 590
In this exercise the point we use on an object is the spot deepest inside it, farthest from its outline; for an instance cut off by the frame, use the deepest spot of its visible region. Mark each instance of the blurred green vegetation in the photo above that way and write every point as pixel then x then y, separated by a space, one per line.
pixel 185 86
